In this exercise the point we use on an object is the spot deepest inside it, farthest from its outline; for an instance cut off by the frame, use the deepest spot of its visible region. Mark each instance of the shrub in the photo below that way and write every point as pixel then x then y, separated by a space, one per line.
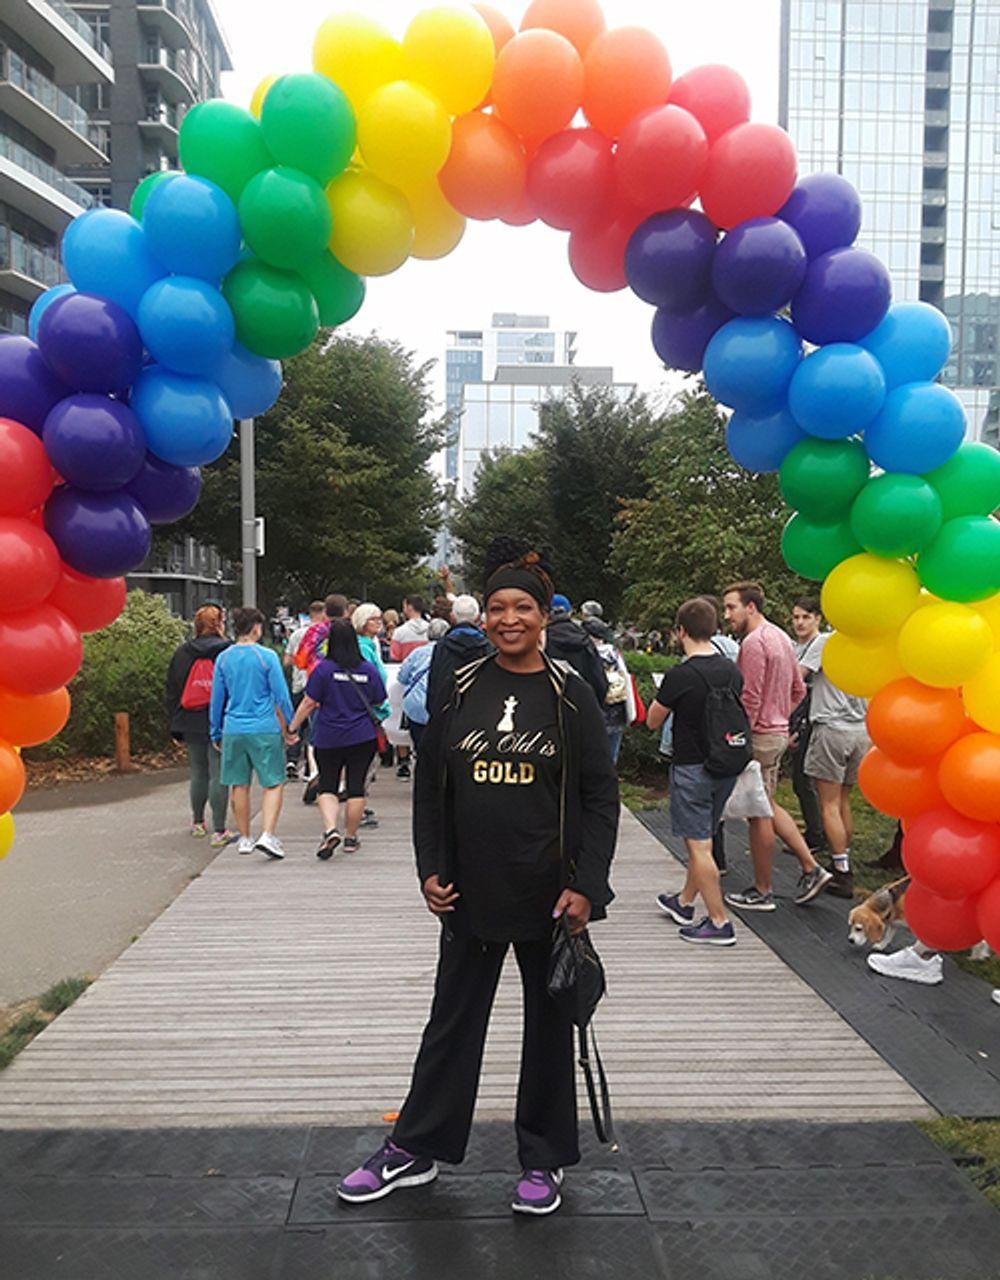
pixel 640 761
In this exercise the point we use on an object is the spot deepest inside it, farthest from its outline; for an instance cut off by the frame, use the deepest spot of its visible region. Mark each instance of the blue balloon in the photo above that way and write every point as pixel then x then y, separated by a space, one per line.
pixel 837 391
pixel 42 304
pixel 911 344
pixel 749 363
pixel 921 425
pixel 94 442
pixel 761 444
pixel 165 493
pixel 845 294
pixel 29 390
pixel 758 266
pixel 106 252
pixel 186 324
pixel 102 535
pixel 826 212
pixel 90 343
pixel 186 421
pixel 249 382
pixel 680 339
pixel 192 227
pixel 668 261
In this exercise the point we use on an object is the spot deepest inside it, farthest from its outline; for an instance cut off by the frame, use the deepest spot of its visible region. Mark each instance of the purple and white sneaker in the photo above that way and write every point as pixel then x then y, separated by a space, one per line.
pixel 670 904
pixel 709 934
pixel 390 1167
pixel 538 1191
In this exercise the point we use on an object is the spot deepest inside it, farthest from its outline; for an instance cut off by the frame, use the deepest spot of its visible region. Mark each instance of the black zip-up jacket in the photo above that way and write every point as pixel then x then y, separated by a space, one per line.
pixel 566 641
pixel 189 726
pixel 589 802
pixel 463 644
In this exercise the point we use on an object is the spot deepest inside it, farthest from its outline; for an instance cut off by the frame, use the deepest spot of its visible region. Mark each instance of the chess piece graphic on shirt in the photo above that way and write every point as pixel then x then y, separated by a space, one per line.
pixel 506 724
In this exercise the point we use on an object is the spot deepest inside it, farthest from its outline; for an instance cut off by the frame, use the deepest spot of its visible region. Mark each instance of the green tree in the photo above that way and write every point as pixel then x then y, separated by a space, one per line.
pixel 511 496
pixel 702 522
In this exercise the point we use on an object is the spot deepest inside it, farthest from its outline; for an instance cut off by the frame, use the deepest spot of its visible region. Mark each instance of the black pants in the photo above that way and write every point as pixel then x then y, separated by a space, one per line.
pixel 333 762
pixel 805 793
pixel 293 754
pixel 437 1115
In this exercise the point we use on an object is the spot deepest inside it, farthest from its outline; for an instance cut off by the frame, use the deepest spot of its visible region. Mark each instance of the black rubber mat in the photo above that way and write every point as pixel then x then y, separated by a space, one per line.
pixel 944 1040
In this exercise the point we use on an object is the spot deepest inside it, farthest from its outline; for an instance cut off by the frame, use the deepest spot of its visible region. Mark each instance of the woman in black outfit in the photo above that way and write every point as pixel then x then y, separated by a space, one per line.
pixel 515 820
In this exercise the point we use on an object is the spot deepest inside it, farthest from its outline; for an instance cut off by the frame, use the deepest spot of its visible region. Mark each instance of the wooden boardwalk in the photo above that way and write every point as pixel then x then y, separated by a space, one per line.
pixel 295 992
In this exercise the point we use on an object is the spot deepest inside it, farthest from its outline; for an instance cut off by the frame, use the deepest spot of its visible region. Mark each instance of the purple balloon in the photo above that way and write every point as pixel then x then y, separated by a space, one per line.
pixel 668 261
pixel 102 535
pixel 164 492
pixel 94 442
pixel 761 444
pixel 680 340
pixel 759 266
pixel 846 293
pixel 29 390
pixel 826 212
pixel 90 343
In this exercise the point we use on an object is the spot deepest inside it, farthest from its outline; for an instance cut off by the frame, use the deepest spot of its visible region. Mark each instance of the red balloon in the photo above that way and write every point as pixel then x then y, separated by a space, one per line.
pixel 716 96
pixel 901 790
pixel 988 915
pixel 29 564
pixel 40 650
pixel 571 179
pixel 90 603
pixel 750 173
pixel 944 924
pixel 11 777
pixel 661 158
pixel 597 254
pixel 952 855
pixel 28 719
pixel 25 468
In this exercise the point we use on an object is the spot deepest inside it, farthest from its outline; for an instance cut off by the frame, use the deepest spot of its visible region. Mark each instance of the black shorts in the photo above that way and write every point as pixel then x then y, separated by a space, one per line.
pixel 333 761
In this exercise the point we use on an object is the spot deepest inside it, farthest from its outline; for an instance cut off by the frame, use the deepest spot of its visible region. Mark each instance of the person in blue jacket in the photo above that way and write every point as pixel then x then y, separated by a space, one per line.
pixel 413 676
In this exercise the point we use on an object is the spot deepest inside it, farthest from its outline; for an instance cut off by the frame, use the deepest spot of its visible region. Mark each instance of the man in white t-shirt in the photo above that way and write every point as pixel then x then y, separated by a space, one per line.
pixel 299 676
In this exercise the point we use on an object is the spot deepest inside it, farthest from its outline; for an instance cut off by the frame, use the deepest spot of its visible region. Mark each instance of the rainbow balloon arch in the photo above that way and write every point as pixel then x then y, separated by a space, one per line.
pixel 177 315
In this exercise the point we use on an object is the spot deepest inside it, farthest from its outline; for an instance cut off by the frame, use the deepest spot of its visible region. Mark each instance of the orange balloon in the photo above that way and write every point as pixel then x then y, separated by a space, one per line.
pixel 538 84
pixel 911 721
pixel 523 215
pixel 11 777
pixel 28 719
pixel 579 21
pixel 901 790
pixel 626 71
pixel 486 172
pixel 501 31
pixel 970 776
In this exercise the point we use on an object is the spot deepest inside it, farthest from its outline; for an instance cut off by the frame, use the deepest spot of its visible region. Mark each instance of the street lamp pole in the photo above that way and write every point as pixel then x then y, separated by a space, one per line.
pixel 248 513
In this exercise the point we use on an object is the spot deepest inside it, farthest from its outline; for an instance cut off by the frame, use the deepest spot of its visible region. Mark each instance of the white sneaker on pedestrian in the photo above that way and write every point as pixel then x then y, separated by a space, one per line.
pixel 270 845
pixel 995 996
pixel 909 966
pixel 245 845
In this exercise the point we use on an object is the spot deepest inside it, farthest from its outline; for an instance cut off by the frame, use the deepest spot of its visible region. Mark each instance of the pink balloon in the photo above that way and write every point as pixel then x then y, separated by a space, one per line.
pixel 716 96
pixel 750 173
pixel 597 254
pixel 661 159
pixel 571 179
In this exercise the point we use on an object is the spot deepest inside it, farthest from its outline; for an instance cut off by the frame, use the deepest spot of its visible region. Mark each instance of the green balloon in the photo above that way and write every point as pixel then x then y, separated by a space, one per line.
pixel 145 189
pixel 308 123
pixel 225 143
pixel 969 482
pixel 339 293
pixel 963 561
pixel 285 217
pixel 821 478
pixel 896 515
pixel 276 315
pixel 812 549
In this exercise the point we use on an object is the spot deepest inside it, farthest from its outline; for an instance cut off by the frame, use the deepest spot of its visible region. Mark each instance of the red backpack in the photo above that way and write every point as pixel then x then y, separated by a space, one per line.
pixel 197 691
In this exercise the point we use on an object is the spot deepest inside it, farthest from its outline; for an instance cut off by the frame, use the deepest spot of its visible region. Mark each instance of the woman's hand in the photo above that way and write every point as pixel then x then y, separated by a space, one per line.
pixel 577 908
pixel 440 898
pixel 291 737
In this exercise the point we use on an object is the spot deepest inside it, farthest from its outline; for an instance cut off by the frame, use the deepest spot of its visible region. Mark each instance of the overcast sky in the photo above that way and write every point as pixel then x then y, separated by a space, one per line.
pixel 496 267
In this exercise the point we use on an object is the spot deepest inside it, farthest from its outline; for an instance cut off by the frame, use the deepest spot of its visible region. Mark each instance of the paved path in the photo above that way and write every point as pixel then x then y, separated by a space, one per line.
pixel 295 992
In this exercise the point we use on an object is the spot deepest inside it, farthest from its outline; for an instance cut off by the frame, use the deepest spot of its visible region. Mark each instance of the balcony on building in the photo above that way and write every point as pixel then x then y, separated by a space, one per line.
pixel 938 80
pixel 935 159
pixel 28 266
pixel 63 39
pixel 167 68
pixel 932 235
pixel 37 188
pixel 46 111
pixel 186 573
pixel 163 121
pixel 170 19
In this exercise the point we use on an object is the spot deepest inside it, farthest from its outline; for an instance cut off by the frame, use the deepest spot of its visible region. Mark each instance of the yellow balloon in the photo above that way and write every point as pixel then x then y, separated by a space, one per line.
pixel 990 610
pixel 944 645
pixel 861 667
pixel 260 93
pixel 437 226
pixel 358 54
pixel 981 695
pixel 404 133
pixel 6 833
pixel 372 224
pixel 868 595
pixel 451 52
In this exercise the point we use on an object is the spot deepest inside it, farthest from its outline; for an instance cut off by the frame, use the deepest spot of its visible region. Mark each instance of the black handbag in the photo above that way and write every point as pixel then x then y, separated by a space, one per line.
pixel 576 982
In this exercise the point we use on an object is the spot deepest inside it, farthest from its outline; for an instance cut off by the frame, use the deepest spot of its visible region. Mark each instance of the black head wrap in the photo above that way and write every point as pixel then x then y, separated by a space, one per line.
pixel 513 566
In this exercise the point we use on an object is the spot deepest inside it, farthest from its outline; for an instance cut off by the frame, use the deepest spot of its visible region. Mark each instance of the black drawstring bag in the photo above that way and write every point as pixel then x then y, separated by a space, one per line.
pixel 576 982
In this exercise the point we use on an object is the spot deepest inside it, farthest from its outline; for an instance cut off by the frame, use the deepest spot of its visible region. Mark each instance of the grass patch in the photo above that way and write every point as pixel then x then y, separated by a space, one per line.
pixel 638 798
pixel 20 1025
pixel 976 1145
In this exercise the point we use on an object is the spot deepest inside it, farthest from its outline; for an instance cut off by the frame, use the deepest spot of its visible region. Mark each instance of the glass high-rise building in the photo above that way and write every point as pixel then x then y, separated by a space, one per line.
pixel 902 97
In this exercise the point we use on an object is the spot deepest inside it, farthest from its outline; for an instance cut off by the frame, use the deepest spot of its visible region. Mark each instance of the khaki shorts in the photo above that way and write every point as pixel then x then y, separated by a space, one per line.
pixel 835 755
pixel 768 749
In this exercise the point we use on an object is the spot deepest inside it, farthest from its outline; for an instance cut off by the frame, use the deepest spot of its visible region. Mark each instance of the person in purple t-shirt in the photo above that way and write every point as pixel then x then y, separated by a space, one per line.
pixel 345 691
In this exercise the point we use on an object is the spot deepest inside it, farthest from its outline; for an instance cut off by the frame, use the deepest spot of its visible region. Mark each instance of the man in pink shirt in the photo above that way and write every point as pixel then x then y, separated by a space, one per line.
pixel 772 688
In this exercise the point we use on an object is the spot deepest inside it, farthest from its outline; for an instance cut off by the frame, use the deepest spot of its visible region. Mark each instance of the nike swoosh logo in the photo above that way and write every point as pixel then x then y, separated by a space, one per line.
pixel 389 1174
